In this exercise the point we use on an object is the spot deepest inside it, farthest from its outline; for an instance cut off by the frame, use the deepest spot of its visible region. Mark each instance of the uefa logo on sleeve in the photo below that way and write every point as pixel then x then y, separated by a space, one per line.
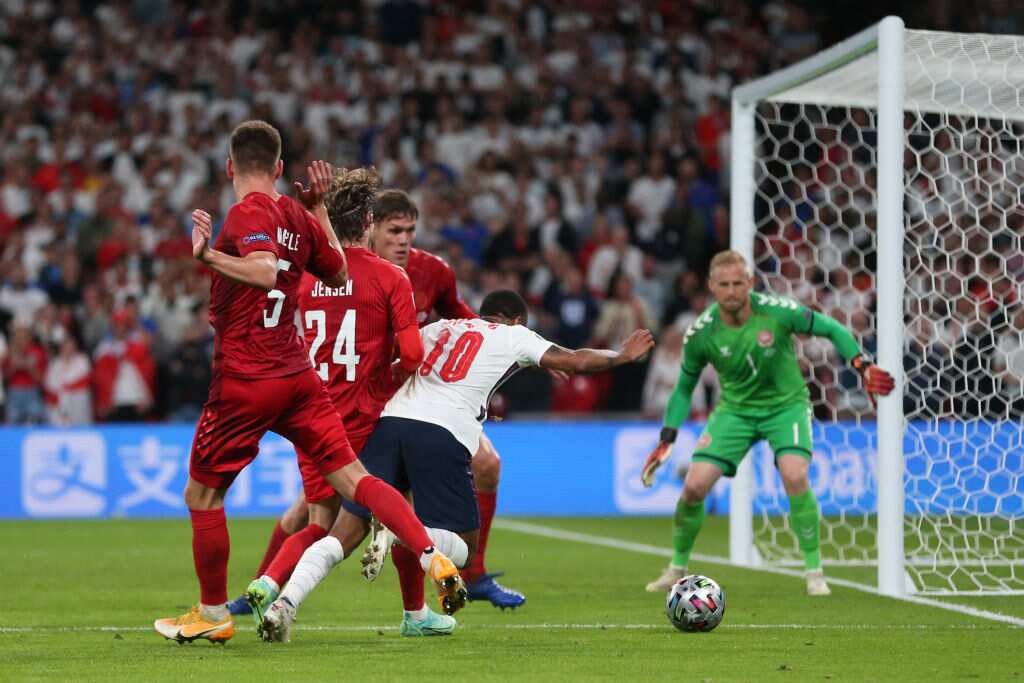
pixel 63 474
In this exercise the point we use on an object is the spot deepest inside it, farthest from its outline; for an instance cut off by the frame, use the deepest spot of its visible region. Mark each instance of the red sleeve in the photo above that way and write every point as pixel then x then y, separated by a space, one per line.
pixel 324 260
pixel 247 229
pixel 449 304
pixel 410 348
pixel 403 303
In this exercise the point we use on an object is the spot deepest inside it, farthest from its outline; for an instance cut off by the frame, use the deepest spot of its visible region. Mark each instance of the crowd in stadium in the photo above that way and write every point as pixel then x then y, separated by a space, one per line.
pixel 575 151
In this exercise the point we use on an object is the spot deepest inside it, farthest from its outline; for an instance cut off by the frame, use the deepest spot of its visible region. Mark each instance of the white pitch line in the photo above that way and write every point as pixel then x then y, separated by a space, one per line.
pixel 530 627
pixel 620 544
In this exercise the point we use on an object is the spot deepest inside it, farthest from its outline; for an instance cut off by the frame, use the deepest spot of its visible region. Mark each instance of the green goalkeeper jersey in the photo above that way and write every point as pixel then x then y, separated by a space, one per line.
pixel 756 363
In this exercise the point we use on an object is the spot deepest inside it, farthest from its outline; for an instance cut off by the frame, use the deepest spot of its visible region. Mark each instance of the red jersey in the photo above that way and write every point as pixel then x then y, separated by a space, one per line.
pixel 351 331
pixel 433 283
pixel 254 331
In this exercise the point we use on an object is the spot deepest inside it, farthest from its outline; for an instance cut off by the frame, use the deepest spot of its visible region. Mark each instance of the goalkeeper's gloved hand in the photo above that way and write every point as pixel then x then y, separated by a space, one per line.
pixel 876 380
pixel 659 455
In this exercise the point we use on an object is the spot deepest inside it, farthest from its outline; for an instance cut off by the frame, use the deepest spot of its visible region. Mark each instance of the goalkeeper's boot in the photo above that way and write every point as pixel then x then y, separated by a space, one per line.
pixel 816 583
pixel 376 550
pixel 277 622
pixel 239 606
pixel 486 588
pixel 194 625
pixel 668 578
pixel 434 625
pixel 451 591
pixel 260 593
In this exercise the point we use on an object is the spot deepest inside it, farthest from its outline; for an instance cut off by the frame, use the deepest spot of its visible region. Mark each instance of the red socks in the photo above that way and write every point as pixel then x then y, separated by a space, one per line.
pixel 410 577
pixel 394 512
pixel 291 552
pixel 210 549
pixel 487 501
pixel 276 539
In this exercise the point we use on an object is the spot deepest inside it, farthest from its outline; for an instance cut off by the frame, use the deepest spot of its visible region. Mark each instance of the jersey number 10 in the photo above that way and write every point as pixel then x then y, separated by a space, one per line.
pixel 344 343
pixel 459 358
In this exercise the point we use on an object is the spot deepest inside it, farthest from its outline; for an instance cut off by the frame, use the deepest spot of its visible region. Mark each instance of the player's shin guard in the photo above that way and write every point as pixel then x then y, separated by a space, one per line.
pixel 394 512
pixel 318 560
pixel 486 501
pixel 211 546
pixel 686 524
pixel 291 551
pixel 277 538
pixel 410 578
pixel 450 544
pixel 805 520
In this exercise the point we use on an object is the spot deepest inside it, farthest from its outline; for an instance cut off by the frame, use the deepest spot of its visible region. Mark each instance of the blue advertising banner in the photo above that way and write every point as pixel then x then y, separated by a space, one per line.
pixel 549 468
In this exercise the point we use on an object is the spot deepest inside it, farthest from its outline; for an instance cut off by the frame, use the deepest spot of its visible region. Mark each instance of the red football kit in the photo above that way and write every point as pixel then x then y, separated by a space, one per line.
pixel 351 332
pixel 433 283
pixel 262 379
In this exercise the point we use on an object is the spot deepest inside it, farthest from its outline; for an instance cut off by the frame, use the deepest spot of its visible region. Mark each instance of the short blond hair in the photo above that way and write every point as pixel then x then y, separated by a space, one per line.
pixel 728 258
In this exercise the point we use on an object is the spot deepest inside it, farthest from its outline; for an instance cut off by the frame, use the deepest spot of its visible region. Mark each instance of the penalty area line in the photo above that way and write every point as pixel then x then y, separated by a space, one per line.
pixel 621 544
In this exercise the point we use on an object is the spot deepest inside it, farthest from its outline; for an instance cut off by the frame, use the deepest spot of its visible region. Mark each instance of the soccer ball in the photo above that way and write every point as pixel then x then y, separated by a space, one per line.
pixel 695 603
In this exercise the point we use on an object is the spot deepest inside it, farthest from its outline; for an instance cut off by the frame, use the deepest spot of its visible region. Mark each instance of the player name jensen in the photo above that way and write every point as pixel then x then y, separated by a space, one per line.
pixel 320 289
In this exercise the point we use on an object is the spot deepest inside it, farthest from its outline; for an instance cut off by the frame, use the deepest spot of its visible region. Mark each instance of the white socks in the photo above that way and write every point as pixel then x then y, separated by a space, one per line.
pixel 418 614
pixel 214 612
pixel 318 560
pixel 450 544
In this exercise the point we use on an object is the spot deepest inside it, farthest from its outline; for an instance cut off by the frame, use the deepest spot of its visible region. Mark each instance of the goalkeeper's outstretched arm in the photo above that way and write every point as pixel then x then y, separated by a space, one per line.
pixel 676 411
pixel 876 380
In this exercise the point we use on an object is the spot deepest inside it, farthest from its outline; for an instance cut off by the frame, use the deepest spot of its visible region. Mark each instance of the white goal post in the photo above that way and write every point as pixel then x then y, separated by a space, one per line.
pixel 884 177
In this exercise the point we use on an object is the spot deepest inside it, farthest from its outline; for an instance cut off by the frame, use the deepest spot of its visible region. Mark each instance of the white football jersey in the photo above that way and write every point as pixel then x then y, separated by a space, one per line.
pixel 464 362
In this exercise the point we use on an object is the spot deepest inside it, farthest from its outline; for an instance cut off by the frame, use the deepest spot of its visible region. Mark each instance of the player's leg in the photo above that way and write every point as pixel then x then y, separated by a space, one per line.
pixel 440 477
pixel 721 447
pixel 315 426
pixel 789 434
pixel 292 521
pixel 218 455
pixel 481 585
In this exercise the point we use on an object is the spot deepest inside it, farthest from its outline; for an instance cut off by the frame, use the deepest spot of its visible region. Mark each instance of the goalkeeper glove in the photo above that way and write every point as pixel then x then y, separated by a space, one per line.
pixel 876 380
pixel 659 455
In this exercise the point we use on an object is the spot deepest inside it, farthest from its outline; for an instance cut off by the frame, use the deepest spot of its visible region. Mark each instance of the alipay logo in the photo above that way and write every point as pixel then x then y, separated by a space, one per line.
pixel 63 474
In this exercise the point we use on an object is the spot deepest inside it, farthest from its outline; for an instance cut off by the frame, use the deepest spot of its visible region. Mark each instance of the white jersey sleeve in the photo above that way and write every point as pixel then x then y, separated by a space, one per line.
pixel 528 346
pixel 465 362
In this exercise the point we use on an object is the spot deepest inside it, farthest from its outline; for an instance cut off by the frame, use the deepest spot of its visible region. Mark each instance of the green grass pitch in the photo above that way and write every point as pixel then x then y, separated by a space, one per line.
pixel 81 598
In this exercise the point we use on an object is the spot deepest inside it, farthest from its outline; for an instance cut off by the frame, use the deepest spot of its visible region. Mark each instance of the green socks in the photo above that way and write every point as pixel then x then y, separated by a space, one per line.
pixel 686 524
pixel 805 521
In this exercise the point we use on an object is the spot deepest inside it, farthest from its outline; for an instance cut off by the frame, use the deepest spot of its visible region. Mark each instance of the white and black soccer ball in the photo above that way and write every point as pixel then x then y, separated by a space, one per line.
pixel 695 603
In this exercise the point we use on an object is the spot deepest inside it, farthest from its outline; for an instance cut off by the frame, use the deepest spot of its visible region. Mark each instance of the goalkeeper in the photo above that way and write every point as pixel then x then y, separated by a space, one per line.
pixel 748 338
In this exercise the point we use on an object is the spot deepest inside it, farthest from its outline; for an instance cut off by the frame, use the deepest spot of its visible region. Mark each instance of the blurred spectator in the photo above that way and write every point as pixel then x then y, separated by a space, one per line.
pixel 188 372
pixel 574 310
pixel 67 383
pixel 649 196
pixel 615 257
pixel 24 368
pixel 621 313
pixel 516 247
pixel 18 299
pixel 125 374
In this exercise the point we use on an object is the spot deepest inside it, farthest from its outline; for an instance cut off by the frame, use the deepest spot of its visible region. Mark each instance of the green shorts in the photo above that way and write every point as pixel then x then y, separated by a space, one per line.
pixel 728 435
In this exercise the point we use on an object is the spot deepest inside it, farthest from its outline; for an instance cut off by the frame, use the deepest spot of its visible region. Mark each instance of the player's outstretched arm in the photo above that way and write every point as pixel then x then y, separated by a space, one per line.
pixel 596 360
pixel 312 198
pixel 876 380
pixel 675 412
pixel 256 269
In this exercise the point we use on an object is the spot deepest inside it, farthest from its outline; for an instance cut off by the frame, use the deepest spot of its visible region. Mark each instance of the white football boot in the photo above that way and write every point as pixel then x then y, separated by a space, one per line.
pixel 667 579
pixel 816 584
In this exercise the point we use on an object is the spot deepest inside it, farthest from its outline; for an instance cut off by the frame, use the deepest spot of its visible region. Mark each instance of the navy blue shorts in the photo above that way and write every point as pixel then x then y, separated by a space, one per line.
pixel 426 459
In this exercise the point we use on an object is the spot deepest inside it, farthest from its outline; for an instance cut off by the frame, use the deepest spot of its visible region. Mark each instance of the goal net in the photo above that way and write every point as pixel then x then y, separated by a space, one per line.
pixel 814 195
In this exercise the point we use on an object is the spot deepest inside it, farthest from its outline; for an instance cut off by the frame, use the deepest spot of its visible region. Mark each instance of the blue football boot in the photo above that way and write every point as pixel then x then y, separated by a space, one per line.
pixel 486 588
